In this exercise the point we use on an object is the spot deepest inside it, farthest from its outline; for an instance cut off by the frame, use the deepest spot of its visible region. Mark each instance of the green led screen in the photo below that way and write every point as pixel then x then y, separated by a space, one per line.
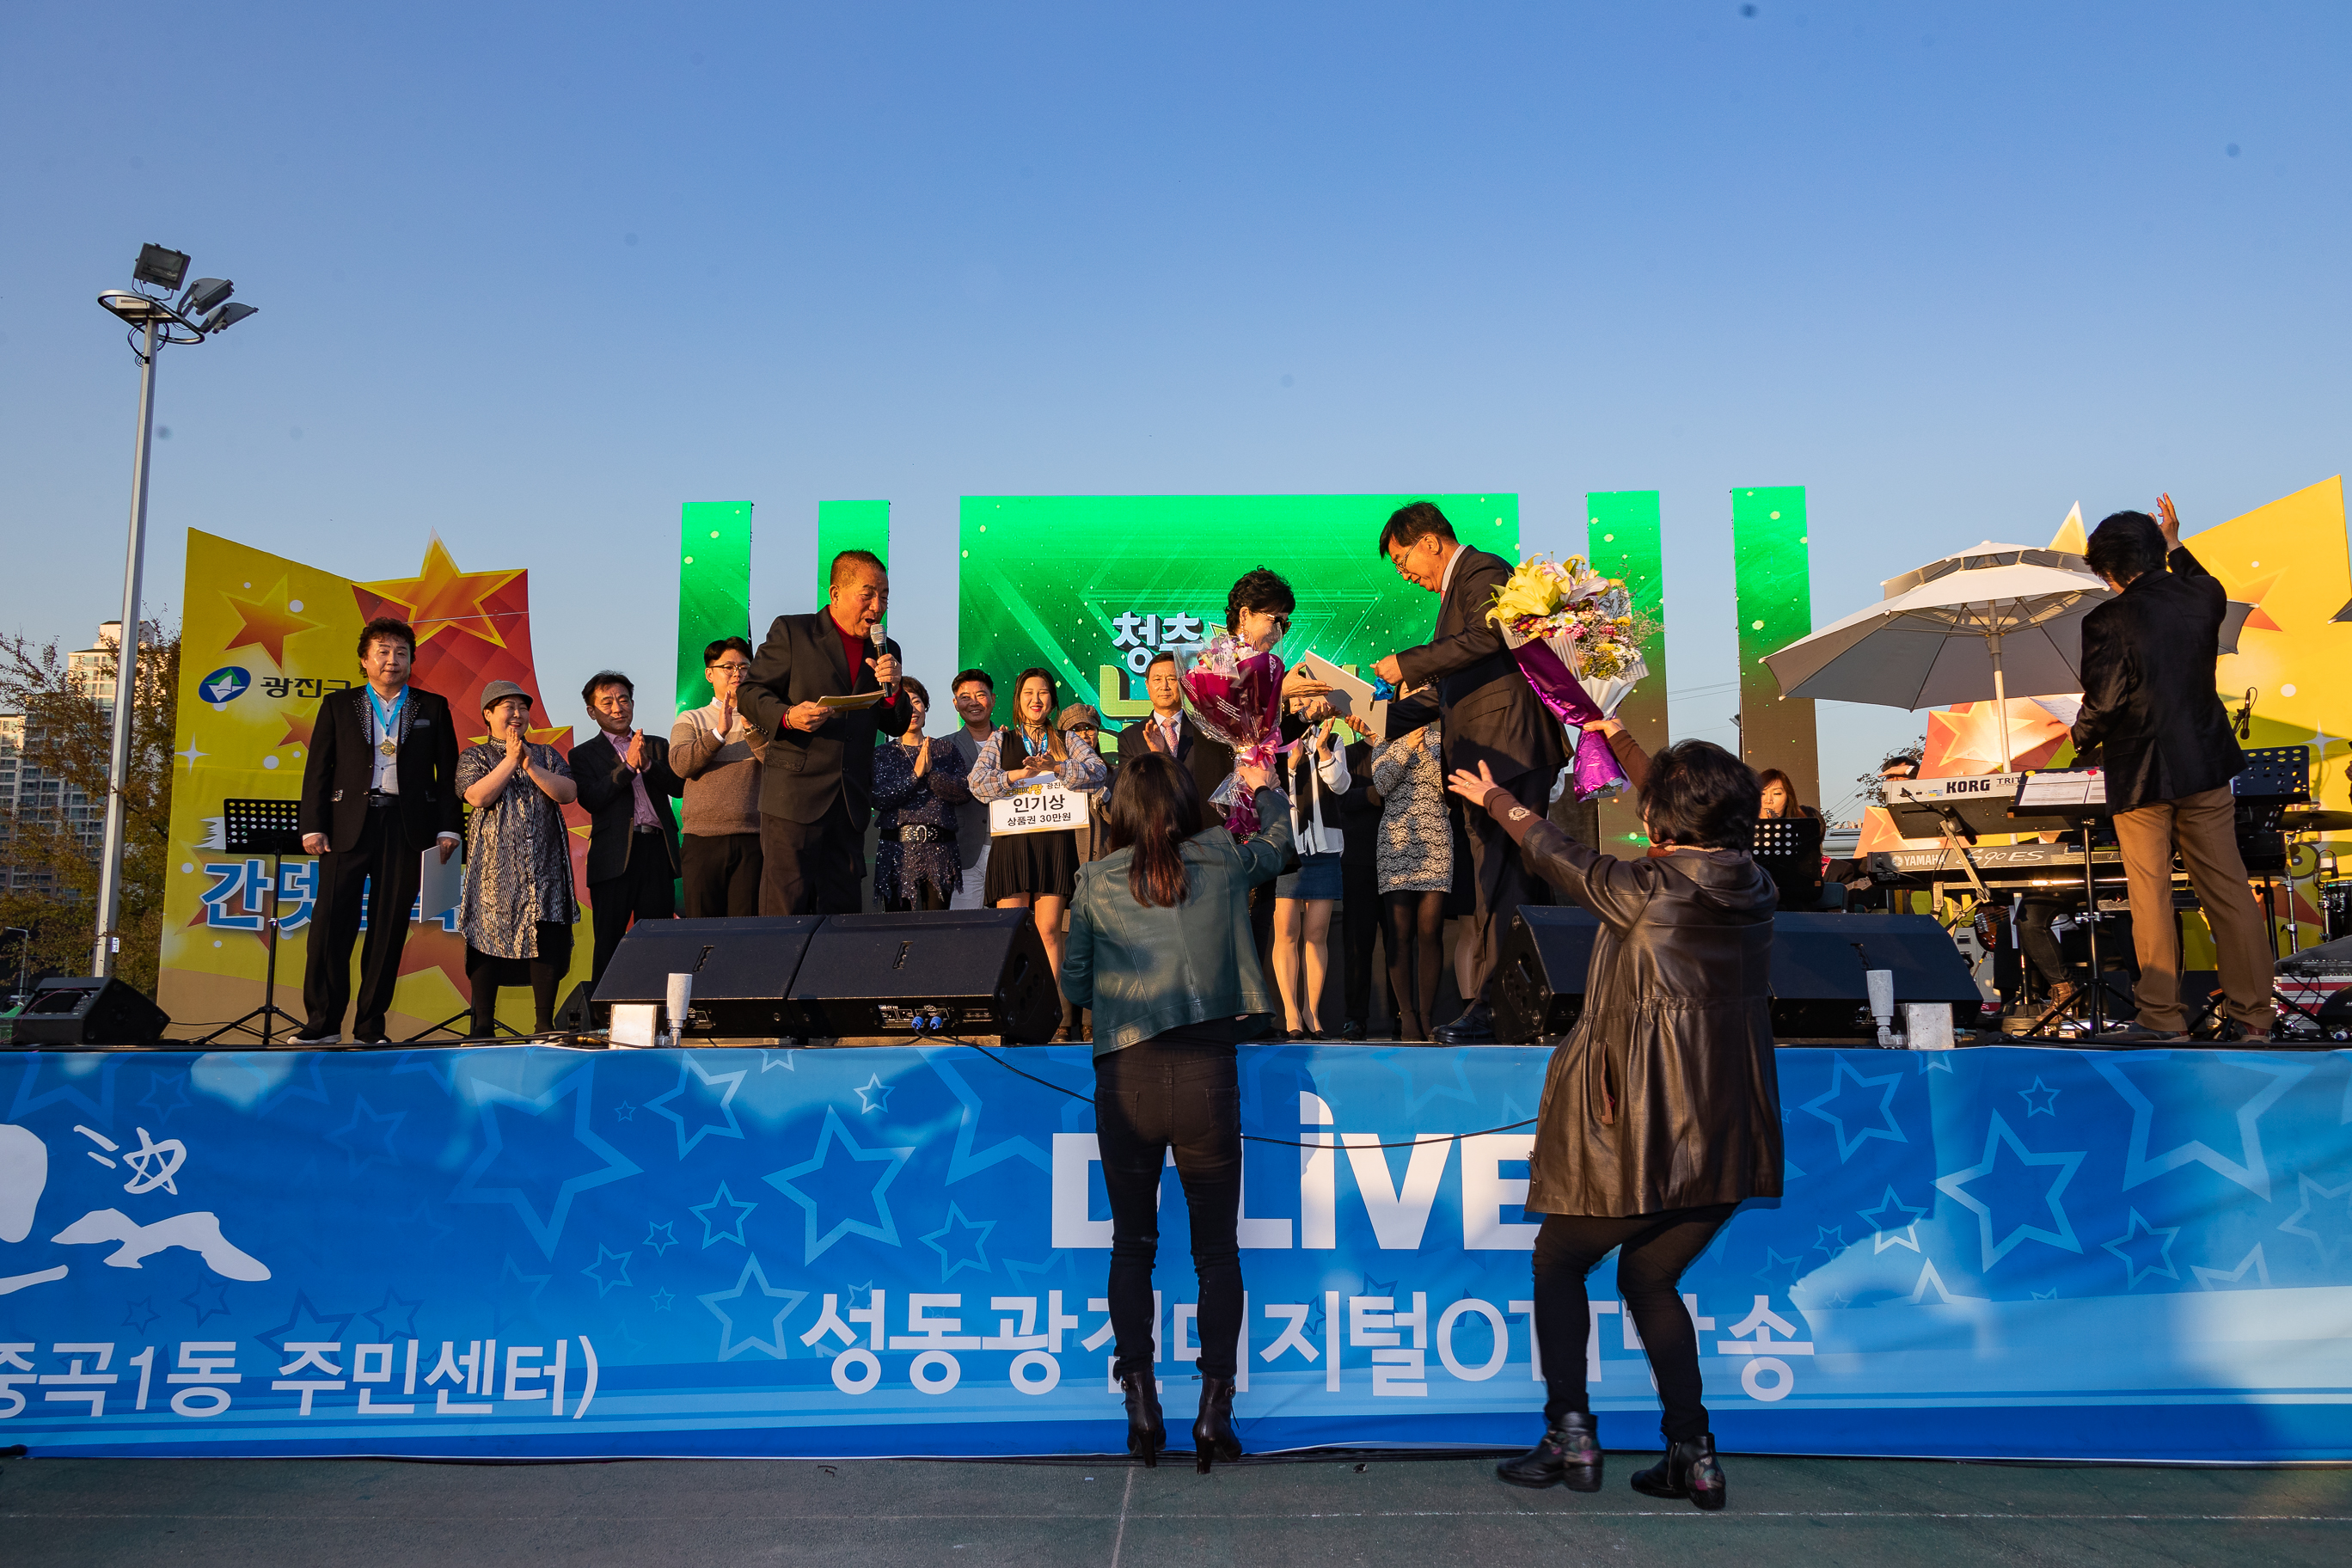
pixel 714 587
pixel 1772 559
pixel 1622 540
pixel 849 525
pixel 1090 586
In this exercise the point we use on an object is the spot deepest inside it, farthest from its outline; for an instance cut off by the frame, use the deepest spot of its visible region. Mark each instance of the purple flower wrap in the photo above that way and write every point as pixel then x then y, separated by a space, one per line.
pixel 1561 692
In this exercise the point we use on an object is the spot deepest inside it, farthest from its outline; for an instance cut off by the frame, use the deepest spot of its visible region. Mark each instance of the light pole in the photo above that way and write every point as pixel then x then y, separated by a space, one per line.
pixel 158 322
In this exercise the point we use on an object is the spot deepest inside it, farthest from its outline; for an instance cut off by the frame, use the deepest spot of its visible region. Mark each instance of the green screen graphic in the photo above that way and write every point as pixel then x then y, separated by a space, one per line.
pixel 849 525
pixel 1091 586
pixel 1772 560
pixel 1621 540
pixel 714 587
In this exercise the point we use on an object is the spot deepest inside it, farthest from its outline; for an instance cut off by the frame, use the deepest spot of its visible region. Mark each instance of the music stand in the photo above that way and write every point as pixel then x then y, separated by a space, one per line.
pixel 2080 796
pixel 1789 848
pixel 271 827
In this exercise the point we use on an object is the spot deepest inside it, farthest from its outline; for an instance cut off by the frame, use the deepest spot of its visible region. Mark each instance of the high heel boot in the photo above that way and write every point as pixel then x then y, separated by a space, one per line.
pixel 1689 1469
pixel 1147 1434
pixel 1569 1456
pixel 1213 1431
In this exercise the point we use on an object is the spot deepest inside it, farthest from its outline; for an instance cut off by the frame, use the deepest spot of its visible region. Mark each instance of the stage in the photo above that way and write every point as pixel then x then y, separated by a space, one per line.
pixel 523 1252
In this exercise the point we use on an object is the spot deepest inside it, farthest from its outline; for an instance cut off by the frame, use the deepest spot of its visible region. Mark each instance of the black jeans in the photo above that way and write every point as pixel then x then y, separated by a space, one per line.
pixel 722 872
pixel 643 891
pixel 387 866
pixel 812 869
pixel 1150 1097
pixel 1653 1250
pixel 484 973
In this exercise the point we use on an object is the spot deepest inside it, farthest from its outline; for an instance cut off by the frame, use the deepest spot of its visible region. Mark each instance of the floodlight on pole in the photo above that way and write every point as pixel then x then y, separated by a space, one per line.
pixel 155 321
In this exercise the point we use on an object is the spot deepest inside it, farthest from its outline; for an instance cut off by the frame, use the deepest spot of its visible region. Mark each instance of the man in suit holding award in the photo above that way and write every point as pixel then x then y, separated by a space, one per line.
pixel 378 789
pixel 822 687
pixel 1490 714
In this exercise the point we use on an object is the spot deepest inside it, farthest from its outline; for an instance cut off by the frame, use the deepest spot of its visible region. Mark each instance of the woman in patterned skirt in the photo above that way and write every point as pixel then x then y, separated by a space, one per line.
pixel 518 909
pixel 1035 871
pixel 917 783
pixel 1416 868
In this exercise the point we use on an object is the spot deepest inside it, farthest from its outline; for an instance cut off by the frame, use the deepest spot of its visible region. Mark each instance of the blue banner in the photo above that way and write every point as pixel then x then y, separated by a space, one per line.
pixel 528 1252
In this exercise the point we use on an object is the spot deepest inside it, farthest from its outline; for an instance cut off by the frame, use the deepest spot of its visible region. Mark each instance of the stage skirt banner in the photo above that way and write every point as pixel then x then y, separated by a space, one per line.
pixel 523 1252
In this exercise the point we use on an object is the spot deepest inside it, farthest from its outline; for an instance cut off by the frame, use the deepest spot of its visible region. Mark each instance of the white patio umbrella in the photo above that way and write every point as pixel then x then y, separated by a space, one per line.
pixel 1997 619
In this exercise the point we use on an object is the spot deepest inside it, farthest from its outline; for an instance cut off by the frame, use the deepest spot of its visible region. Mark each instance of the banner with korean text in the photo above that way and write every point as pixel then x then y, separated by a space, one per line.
pixel 521 1252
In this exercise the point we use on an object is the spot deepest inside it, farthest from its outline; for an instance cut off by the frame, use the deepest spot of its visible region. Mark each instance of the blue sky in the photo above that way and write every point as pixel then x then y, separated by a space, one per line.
pixel 533 274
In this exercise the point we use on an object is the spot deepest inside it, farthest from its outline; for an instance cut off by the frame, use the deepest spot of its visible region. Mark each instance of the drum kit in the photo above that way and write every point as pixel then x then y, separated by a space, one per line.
pixel 2335 892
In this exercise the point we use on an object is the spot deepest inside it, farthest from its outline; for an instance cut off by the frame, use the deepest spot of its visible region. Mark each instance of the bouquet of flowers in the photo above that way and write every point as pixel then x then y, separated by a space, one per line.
pixel 1578 642
pixel 1235 694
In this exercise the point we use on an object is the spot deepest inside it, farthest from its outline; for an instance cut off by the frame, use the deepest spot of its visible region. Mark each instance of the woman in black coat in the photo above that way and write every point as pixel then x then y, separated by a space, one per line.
pixel 1662 1111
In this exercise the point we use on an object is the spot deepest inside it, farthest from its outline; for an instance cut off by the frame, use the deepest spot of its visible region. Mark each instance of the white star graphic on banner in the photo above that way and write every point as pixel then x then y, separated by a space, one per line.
pixel 2251 1171
pixel 1998 1136
pixel 2208 1278
pixel 729 1347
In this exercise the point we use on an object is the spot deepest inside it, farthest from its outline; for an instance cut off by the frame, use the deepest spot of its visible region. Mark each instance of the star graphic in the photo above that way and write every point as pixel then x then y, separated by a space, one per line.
pixel 964 1160
pixel 969 1233
pixel 873 1095
pixel 2327 1208
pixel 76 1069
pixel 440 1066
pixel 142 1312
pixel 790 1182
pixel 625 1111
pixel 2197 1095
pixel 2142 1241
pixel 1997 1137
pixel 2208 1278
pixel 165 1106
pixel 1780 1273
pixel 368 1144
pixel 543 1149
pixel 1883 1109
pixel 395 1317
pixel 1884 1234
pixel 440 599
pixel 266 623
pixel 508 1311
pixel 610 1271
pixel 1830 1240
pixel 728 1346
pixel 1932 1061
pixel 1383 1287
pixel 2048 1295
pixel 780 1059
pixel 209 1299
pixel 303 1321
pixel 729 1225
pixel 2041 1099
pixel 298 727
pixel 420 1219
pixel 661 1238
pixel 192 756
pixel 689 1068
pixel 1929 1276
pixel 661 1300
pixel 1428 1076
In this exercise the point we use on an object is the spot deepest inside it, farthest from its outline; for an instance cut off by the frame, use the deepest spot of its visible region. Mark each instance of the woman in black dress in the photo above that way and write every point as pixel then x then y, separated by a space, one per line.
pixel 917 783
pixel 1035 871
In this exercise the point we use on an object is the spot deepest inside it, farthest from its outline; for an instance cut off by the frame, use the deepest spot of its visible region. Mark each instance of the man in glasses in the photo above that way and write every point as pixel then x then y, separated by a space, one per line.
pixel 1489 713
pixel 720 757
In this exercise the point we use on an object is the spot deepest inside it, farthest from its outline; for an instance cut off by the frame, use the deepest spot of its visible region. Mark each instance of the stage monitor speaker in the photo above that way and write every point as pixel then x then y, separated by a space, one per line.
pixel 742 969
pixel 80 1010
pixel 577 1015
pixel 1819 962
pixel 944 971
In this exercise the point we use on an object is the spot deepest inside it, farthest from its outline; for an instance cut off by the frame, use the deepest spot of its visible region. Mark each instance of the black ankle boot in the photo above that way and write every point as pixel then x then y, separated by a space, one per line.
pixel 1689 1469
pixel 1569 1456
pixel 1147 1434
pixel 1212 1430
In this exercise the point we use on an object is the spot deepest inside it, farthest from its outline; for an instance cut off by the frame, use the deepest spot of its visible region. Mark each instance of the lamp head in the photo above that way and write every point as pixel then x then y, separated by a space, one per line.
pixel 162 267
pixel 134 307
pixel 205 293
pixel 226 315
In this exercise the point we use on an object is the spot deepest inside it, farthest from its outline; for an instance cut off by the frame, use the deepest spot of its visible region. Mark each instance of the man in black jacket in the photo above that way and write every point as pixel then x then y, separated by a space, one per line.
pixel 626 786
pixel 816 788
pixel 379 787
pixel 2152 721
pixel 1490 713
pixel 1170 730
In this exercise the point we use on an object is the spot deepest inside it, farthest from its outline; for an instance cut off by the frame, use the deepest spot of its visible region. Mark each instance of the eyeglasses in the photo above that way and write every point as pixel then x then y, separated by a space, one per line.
pixel 732 669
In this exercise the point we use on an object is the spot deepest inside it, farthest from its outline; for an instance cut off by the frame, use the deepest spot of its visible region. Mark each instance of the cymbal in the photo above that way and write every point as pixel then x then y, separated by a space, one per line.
pixel 2313 819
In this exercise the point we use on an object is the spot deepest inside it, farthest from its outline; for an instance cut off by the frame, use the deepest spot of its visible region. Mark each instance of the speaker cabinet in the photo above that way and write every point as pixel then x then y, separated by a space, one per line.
pixel 1538 987
pixel 954 972
pixel 742 969
pixel 79 1010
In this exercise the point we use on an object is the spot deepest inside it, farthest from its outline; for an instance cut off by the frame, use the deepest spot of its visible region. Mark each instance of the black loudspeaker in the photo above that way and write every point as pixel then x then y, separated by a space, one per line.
pixel 944 971
pixel 742 969
pixel 1819 962
pixel 78 1010
pixel 577 1015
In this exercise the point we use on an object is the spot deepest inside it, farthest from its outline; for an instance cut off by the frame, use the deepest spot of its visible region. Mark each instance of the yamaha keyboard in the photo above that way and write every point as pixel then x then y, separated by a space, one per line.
pixel 2012 863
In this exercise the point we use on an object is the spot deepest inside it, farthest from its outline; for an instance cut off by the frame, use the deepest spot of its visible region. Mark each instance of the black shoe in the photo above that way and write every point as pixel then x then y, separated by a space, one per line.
pixel 1293 1036
pixel 1213 1431
pixel 1147 1434
pixel 1316 1034
pixel 1474 1027
pixel 1353 1029
pixel 1569 1456
pixel 2236 1034
pixel 1688 1471
pixel 2137 1035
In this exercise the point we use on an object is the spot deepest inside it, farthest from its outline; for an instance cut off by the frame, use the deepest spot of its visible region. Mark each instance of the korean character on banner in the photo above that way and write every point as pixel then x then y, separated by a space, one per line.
pixel 309 1353
pixel 524 1364
pixel 1176 631
pixel 455 1373
pixel 234 900
pixel 1132 630
pixel 1756 1342
pixel 854 1370
pixel 298 892
pixel 934 1371
pixel 309 687
pixel 205 1368
pixel 74 1383
pixel 1035 1370
pixel 371 1365
pixel 338 685
pixel 1398 1370
pixel 276 686
pixel 15 1369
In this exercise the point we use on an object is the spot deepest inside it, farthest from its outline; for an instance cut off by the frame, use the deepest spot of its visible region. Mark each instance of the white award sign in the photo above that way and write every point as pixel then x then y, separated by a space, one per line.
pixel 1037 811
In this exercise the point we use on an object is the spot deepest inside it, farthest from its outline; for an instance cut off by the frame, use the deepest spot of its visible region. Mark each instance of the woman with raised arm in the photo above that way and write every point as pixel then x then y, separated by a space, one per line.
pixel 1660 1111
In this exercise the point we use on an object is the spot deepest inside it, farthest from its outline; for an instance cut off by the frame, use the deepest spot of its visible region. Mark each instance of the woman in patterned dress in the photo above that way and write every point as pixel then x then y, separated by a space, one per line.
pixel 917 783
pixel 1035 871
pixel 516 910
pixel 1416 868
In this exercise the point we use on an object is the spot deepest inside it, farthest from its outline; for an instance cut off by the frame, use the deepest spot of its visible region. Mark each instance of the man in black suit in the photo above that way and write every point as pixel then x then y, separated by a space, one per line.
pixel 379 786
pixel 816 788
pixel 1490 713
pixel 626 784
pixel 2153 723
pixel 1168 728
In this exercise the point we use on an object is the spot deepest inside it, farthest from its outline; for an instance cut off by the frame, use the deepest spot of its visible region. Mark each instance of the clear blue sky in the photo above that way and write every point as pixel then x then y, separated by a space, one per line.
pixel 533 274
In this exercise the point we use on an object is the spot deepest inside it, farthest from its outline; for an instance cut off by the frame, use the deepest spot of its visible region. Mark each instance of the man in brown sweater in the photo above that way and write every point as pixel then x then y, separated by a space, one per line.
pixel 720 757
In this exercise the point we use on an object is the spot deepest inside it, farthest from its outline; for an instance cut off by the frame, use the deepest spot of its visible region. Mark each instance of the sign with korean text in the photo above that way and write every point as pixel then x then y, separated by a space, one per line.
pixel 1038 811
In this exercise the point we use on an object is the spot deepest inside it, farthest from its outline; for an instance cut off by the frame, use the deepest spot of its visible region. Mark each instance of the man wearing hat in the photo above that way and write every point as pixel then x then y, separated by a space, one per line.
pixel 378 789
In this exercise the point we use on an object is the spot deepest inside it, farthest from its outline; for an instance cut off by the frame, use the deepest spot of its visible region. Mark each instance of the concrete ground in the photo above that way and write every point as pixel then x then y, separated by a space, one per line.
pixel 1822 1513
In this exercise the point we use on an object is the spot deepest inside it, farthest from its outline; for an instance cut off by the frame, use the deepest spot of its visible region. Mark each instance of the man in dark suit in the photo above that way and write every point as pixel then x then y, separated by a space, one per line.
pixel 1168 728
pixel 2153 723
pixel 379 787
pixel 816 788
pixel 626 784
pixel 1490 713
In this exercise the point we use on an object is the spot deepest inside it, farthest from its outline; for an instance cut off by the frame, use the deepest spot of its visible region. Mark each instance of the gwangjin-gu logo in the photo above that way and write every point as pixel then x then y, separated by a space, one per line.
pixel 225 685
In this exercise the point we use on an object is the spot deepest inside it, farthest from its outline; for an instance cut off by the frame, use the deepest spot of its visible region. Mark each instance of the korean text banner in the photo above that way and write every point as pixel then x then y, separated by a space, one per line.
pixel 526 1252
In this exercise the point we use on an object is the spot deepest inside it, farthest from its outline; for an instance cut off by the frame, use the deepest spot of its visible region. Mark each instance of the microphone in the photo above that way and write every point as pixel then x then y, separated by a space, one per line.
pixel 2245 719
pixel 881 645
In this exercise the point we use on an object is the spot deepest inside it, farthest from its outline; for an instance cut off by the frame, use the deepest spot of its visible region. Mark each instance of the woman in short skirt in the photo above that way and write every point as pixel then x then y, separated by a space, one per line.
pixel 1035 871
